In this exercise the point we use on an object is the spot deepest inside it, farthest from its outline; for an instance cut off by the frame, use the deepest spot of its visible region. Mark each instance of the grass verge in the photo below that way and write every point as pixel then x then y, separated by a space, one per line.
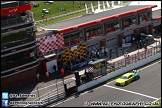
pixel 54 10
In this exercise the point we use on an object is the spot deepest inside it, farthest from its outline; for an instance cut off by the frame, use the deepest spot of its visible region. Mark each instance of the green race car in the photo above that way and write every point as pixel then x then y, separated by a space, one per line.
pixel 127 78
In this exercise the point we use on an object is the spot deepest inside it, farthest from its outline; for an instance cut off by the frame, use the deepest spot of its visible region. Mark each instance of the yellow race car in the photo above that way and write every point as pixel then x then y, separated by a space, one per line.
pixel 127 78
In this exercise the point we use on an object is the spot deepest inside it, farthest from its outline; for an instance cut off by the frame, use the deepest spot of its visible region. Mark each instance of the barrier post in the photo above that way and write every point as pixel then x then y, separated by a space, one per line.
pixel 38 79
pixel 154 50
pixel 47 75
pixel 38 93
pixel 145 53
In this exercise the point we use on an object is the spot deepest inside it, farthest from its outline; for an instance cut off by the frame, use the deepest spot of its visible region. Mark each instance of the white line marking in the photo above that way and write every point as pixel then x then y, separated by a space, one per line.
pixel 130 91
pixel 94 88
pixel 153 102
pixel 73 78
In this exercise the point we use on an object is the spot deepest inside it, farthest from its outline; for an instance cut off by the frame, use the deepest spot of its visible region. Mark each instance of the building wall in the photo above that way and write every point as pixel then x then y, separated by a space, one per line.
pixel 18 79
pixel 126 31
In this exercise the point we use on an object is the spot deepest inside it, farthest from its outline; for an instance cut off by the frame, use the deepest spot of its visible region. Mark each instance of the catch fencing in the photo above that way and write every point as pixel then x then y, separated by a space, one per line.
pixel 131 59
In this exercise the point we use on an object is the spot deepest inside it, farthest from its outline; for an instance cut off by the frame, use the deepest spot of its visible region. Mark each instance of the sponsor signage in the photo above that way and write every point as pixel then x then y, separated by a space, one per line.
pixel 126 45
pixel 74 48
pixel 14 10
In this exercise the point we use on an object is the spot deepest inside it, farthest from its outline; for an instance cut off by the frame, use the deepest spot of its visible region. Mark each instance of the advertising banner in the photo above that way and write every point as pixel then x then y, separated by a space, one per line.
pixel 126 45
pixel 51 42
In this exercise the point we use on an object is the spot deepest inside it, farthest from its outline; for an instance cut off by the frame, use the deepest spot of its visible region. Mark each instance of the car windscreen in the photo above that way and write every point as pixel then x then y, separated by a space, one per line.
pixel 124 77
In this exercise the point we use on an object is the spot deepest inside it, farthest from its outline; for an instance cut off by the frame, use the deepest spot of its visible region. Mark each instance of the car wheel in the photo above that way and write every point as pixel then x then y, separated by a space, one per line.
pixel 137 77
pixel 126 83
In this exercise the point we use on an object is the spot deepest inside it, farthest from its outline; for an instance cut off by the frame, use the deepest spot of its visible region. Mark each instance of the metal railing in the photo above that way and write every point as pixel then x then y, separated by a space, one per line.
pixel 141 55
pixel 19 20
pixel 17 63
pixel 16 43
pixel 49 94
pixel 124 62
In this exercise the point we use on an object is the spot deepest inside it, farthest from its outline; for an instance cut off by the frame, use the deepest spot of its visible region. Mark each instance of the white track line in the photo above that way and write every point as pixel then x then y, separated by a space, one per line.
pixel 95 88
pixel 131 92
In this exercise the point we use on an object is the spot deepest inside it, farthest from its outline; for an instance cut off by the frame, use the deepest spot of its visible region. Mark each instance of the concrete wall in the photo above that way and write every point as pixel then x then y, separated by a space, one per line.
pixel 118 72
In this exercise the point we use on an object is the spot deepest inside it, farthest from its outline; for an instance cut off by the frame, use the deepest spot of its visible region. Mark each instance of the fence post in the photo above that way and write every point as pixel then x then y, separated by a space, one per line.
pixel 125 62
pixel 38 93
pixel 154 50
pixel 145 53
pixel 57 89
pixel 48 96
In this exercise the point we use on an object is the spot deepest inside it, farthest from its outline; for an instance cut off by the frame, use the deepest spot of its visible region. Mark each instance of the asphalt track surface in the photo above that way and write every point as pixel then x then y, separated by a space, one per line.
pixel 147 89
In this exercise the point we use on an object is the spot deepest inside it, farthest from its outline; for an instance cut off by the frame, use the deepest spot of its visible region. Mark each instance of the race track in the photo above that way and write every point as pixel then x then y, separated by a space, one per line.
pixel 147 89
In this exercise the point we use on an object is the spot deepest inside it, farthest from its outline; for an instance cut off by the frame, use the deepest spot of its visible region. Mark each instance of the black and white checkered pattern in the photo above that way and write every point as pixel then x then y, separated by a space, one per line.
pixel 90 69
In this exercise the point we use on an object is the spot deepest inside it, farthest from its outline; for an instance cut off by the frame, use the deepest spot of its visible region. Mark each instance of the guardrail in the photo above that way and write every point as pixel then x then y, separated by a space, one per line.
pixel 14 21
pixel 132 59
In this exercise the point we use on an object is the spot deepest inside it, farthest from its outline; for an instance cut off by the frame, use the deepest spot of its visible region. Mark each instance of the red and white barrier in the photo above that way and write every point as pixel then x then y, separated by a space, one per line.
pixel 47 75
pixel 38 77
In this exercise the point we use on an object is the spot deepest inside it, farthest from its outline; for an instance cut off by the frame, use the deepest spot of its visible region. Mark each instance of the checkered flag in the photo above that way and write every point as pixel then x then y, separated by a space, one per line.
pixel 90 69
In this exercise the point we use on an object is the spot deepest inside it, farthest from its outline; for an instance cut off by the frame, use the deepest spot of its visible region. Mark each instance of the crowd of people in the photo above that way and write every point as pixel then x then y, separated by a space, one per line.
pixel 142 43
pixel 93 52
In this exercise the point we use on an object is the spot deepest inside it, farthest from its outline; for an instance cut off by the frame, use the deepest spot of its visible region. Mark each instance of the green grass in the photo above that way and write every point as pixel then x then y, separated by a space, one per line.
pixel 120 75
pixel 159 102
pixel 14 37
pixel 54 9
pixel 59 19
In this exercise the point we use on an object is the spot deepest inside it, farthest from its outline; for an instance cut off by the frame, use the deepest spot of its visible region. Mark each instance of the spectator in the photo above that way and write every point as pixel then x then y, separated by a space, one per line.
pixel 82 79
pixel 125 55
pixel 146 40
pixel 128 58
pixel 137 44
pixel 98 53
pixel 140 42
pixel 54 68
pixel 145 47
pixel 143 42
pixel 102 51
pixel 138 54
pixel 94 54
pixel 42 16
pixel 106 51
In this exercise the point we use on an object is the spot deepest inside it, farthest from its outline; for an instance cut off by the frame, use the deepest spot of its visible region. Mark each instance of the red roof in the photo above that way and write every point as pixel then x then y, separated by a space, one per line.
pixel 105 19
